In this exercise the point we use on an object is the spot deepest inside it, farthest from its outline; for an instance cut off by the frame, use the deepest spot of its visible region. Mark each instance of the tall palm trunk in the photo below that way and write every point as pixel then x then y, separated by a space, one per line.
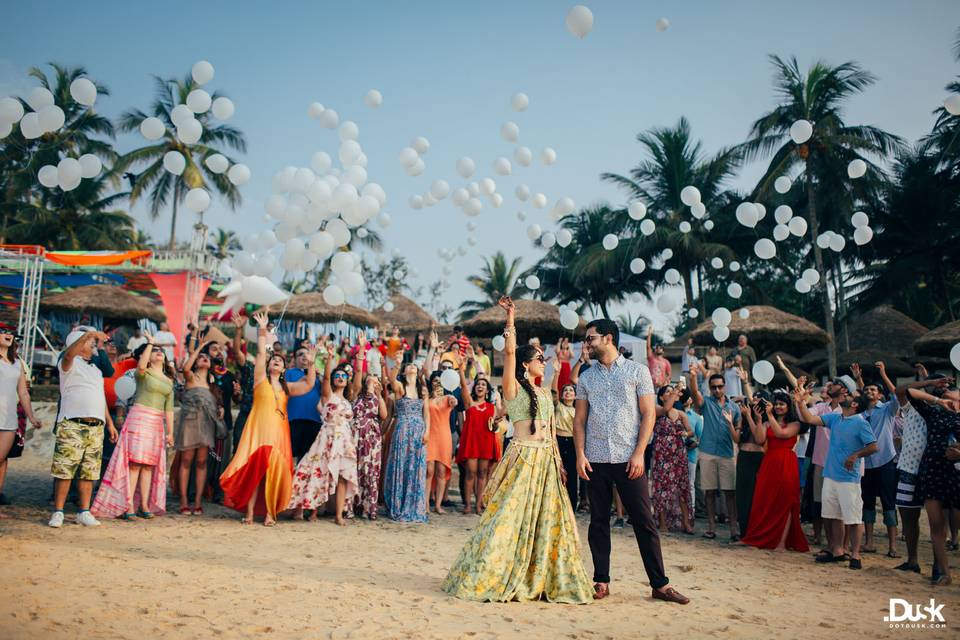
pixel 818 258
pixel 173 218
pixel 688 286
pixel 703 299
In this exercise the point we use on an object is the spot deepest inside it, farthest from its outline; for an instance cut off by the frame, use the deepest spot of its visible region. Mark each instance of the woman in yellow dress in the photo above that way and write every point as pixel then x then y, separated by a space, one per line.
pixel 525 546
pixel 259 478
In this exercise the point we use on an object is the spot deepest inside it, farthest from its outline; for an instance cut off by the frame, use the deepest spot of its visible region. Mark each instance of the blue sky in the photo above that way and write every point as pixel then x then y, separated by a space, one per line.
pixel 447 71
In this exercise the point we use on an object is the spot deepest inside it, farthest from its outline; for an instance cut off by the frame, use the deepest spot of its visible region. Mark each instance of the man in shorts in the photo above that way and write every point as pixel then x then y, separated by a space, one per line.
pixel 851 439
pixel 80 422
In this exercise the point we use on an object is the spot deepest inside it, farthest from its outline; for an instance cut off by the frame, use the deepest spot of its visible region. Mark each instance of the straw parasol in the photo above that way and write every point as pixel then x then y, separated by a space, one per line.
pixel 816 361
pixel 104 300
pixel 406 314
pixel 885 329
pixel 311 308
pixel 534 318
pixel 767 329
pixel 939 341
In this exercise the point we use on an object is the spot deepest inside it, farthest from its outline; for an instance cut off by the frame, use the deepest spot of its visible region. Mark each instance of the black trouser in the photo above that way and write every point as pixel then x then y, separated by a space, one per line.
pixel 748 466
pixel 568 455
pixel 635 496
pixel 302 435
pixel 880 482
pixel 238 425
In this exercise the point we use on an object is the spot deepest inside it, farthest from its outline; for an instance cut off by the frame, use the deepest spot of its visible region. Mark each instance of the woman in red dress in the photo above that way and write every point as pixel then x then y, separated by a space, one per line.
pixel 775 514
pixel 479 449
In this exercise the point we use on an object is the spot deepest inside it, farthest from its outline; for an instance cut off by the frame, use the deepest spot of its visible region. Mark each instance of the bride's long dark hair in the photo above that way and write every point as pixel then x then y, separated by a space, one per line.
pixel 526 354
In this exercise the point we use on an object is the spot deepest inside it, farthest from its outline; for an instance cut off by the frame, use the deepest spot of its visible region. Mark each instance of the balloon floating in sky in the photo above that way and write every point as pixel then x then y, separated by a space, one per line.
pixel 580 21
pixel 763 371
pixel 955 356
pixel 373 99
pixel 800 131
pixel 636 210
pixel 765 248
pixel 856 169
pixel 690 195
pixel 862 235
pixel 610 241
pixel 202 72
pixel 519 102
pixel 83 91
pixel 222 108
pixel 662 25
pixel 952 105
pixel 548 156
pixel 782 184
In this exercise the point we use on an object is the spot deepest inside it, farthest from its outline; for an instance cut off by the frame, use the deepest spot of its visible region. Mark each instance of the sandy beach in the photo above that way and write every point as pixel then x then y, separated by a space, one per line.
pixel 200 577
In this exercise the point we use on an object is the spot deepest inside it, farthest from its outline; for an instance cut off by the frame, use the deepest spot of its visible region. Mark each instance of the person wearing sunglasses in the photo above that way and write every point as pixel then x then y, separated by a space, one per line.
pixel 263 453
pixel 405 475
pixel 13 391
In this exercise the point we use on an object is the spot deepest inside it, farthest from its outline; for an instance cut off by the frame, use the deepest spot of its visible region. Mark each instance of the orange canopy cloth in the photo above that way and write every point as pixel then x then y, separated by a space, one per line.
pixel 173 294
pixel 87 258
pixel 263 457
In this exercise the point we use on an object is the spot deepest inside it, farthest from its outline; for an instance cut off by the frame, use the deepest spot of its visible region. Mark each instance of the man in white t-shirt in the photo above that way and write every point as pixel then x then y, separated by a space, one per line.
pixel 165 339
pixel 136 340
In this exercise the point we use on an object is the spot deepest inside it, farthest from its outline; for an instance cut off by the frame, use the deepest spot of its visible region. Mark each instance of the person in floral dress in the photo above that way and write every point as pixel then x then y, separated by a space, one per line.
pixel 330 466
pixel 369 410
pixel 669 476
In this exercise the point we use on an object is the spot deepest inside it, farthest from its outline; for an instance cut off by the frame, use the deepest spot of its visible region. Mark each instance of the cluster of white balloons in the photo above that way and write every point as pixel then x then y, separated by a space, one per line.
pixel 807 280
pixel 862 233
pixel 721 317
pixel 569 318
pixel 45 117
pixel 68 173
pixel 410 157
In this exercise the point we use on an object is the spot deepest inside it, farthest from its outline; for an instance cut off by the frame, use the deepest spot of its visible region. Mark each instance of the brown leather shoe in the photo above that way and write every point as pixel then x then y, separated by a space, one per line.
pixel 600 591
pixel 670 594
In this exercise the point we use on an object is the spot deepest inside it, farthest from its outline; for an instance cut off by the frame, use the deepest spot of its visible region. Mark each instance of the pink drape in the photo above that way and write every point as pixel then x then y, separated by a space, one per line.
pixel 173 293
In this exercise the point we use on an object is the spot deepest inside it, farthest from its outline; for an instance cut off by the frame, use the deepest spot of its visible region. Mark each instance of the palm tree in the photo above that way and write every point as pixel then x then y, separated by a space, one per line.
pixel 945 137
pixel 633 326
pixel 163 186
pixel 497 278
pixel 675 160
pixel 21 159
pixel 223 244
pixel 816 95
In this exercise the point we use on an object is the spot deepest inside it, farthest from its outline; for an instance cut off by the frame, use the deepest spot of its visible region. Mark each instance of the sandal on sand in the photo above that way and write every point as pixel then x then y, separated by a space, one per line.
pixel 600 591
pixel 246 520
pixel 185 511
pixel 855 563
pixel 146 515
pixel 709 535
pixel 269 523
pixel 198 511
pixel 893 554
pixel 130 517
pixel 823 553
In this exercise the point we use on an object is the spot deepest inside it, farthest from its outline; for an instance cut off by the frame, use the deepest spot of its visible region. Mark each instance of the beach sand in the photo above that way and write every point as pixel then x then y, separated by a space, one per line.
pixel 208 577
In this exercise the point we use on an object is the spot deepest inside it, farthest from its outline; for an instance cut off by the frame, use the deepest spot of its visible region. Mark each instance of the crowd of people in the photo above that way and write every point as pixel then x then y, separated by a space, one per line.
pixel 375 425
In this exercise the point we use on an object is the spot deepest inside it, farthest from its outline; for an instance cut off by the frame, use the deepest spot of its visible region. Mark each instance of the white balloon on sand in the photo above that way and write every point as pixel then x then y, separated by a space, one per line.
pixel 152 128
pixel 610 241
pixel 765 248
pixel 222 108
pixel 862 235
pixel 373 99
pixel 782 184
pixel 174 162
pixel 662 24
pixel 762 371
pixel 83 91
pixel 238 174
pixel 90 165
pixel 519 102
pixel 636 210
pixel 202 72
pixel 548 156
pixel 465 167
pixel 800 131
pixel 199 101
pixel 690 195
pixel 579 21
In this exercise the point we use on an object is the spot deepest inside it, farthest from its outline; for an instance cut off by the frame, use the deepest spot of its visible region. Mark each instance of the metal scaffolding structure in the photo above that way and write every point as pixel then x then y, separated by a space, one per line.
pixel 29 260
pixel 198 271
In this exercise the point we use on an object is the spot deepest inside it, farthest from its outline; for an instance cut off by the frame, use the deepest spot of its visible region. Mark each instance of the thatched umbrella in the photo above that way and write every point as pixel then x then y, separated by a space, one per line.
pixel 768 329
pixel 534 318
pixel 104 300
pixel 311 308
pixel 885 329
pixel 816 361
pixel 406 314
pixel 939 341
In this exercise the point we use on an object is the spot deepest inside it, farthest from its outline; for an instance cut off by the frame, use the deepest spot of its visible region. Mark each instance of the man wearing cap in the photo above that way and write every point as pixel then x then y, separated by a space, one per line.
pixel 80 421
pixel 833 393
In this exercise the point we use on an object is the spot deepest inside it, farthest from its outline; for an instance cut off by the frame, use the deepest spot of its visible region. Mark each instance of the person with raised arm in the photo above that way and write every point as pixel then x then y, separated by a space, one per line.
pixel 525 545
pixel 258 480
pixel 478 449
pixel 369 413
pixel 13 391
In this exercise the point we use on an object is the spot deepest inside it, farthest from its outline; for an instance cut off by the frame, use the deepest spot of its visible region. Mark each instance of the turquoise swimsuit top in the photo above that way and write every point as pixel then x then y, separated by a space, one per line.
pixel 519 408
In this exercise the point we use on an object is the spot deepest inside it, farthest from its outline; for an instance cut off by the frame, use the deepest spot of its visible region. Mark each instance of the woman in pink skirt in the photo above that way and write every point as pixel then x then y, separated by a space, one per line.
pixel 139 462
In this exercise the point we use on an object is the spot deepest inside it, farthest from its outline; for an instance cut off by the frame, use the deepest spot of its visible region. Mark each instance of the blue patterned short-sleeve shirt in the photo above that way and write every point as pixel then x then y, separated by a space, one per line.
pixel 613 421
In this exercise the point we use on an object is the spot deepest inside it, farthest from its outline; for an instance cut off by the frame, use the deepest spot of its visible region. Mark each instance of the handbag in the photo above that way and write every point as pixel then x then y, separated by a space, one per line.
pixel 692 442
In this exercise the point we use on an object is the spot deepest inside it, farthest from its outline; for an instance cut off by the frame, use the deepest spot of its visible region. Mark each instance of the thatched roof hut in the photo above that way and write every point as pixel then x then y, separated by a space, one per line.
pixel 311 308
pixel 939 341
pixel 104 300
pixel 884 328
pixel 534 318
pixel 767 329
pixel 406 314
pixel 816 361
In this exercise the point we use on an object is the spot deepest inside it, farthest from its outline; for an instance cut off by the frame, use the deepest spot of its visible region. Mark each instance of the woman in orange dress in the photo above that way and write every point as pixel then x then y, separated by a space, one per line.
pixel 259 478
pixel 440 445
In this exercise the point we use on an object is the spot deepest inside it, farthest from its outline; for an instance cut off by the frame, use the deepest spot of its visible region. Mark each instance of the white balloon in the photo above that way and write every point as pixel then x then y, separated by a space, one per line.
pixel 747 214
pixel 823 240
pixel 265 265
pixel 51 118
pixel 90 165
pixel 667 254
pixel 450 379
pixel 197 200
pixel 708 225
pixel 408 157
pixel 439 189
pixel 501 166
pixel 666 304
pixel 637 210
pixel 421 144
pixel 519 102
pixel 474 189
pixel 955 356
pixel 569 319
pixel 579 21
pixel 202 72
pixel 244 263
pixel 685 227
pixel 345 194
pixel 342 262
pixel 662 24
pixel 782 214
pixel 859 219
pixel 566 205
pixel 862 235
pixel 952 105
pixel 610 241
pixel 125 387
pixel 539 201
pixel 415 202
pixel 534 231
pixel 48 176
pixel 460 196
pixel 268 239
pixel 473 207
pixel 810 276
pixel 498 342
pixel 734 290
pixel 496 200
pixel 334 296
pixel 781 232
pixel 10 110
pixel 837 242
pixel 39 97
pixel 720 334
pixel 761 210
pixel 548 239
pixel 466 167
pixel 351 283
pixel 375 190
pixel 782 184
pixel 522 192
pixel 239 174
pixel 373 99
pixel 800 131
pixel 258 290
pixel 689 195
pixel 488 186
pixel 647 227
pixel 190 131
pixel 744 313
pixel 523 156
pixel 303 178
pixel 510 131
pixel 716 263
pixel 180 114
pixel 309 262
pixel 672 276
pixel 174 162
pixel 548 156
pixel 802 286
pixel 217 163
pixel 532 282
pixel 765 248
pixel 698 210
pixel 321 243
pixel 734 266
pixel 856 169
pixel 763 371
pixel 721 316
pixel 315 110
pixel 329 119
pixel 797 226
pixel 199 101
pixel 223 108
pixel 564 237
pixel 348 131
